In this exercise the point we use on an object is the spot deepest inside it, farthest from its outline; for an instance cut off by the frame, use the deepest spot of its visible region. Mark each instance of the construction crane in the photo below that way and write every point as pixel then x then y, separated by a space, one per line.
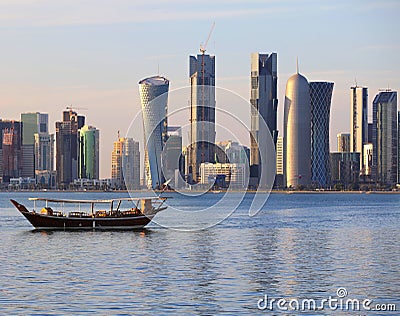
pixel 74 108
pixel 203 48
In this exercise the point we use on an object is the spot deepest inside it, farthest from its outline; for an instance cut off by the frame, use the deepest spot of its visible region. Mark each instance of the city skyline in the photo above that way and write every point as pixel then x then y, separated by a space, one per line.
pixel 91 59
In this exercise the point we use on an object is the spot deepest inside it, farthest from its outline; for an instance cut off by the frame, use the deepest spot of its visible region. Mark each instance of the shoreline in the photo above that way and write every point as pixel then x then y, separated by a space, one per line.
pixel 212 192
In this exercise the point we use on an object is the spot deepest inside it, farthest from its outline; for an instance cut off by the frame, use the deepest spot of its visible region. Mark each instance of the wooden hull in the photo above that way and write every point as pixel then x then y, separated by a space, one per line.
pixel 47 222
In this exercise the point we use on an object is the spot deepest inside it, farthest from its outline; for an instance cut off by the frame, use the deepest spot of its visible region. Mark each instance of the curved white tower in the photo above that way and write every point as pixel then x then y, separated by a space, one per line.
pixel 154 98
pixel 297 126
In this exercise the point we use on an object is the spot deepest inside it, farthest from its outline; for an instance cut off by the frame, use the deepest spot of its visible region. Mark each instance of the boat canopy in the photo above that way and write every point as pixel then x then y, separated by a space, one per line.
pixel 96 201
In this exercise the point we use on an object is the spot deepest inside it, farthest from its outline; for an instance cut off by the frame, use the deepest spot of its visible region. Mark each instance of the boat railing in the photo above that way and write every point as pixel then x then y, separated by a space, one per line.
pixel 78 214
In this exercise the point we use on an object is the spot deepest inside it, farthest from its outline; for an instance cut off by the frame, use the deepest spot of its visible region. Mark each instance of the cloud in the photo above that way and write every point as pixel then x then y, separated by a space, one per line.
pixel 90 12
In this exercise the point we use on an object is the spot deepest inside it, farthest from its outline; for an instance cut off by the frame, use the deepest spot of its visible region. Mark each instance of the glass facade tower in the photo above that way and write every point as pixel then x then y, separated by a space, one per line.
pixel 154 99
pixel 264 101
pixel 202 113
pixel 320 101
pixel 88 152
pixel 358 121
pixel 384 138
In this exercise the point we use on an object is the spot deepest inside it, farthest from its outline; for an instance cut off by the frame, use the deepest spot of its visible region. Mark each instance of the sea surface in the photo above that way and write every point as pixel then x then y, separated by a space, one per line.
pixel 298 247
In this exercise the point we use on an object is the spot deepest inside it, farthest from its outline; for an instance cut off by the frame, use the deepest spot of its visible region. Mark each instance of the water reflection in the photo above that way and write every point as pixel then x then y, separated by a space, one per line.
pixel 298 246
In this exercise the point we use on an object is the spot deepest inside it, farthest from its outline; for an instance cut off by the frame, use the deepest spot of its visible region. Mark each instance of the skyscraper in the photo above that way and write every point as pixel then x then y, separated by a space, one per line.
pixel 32 123
pixel 44 151
pixel 297 126
pixel 398 147
pixel 67 147
pixel 44 159
pixel 88 153
pixel 10 149
pixel 343 142
pixel 264 101
pixel 202 112
pixel 125 164
pixel 358 120
pixel 320 102
pixel 172 158
pixel 154 99
pixel 12 165
pixel 384 137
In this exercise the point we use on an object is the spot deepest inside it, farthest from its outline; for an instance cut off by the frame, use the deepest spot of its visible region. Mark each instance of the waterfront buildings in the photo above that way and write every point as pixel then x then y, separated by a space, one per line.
pixel 232 174
pixel 384 137
pixel 345 169
pixel 173 161
pixel 279 163
pixel 320 102
pixel 44 160
pixel 32 123
pixel 297 132
pixel 358 121
pixel 67 147
pixel 232 152
pixel 343 142
pixel 38 149
pixel 154 99
pixel 10 150
pixel 368 159
pixel 202 113
pixel 264 106
pixel 125 164
pixel 88 153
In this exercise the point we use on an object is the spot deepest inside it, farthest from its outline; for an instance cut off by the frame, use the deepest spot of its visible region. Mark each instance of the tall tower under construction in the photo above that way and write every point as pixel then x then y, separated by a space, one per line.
pixel 202 113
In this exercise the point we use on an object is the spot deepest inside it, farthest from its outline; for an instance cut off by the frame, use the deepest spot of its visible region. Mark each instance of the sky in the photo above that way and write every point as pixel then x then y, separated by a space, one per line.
pixel 91 54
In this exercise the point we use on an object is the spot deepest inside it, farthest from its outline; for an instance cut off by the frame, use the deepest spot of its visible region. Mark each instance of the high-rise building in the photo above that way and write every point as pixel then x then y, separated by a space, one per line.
pixel 358 120
pixel 297 129
pixel 12 166
pixel 172 155
pixel 88 152
pixel 10 149
pixel 368 158
pixel 44 160
pixel 67 150
pixel 398 147
pixel 32 123
pixel 343 142
pixel 234 173
pixel 202 113
pixel 320 101
pixel 264 101
pixel 384 137
pixel 370 128
pixel 232 152
pixel 44 152
pixel 154 99
pixel 125 164
pixel 345 168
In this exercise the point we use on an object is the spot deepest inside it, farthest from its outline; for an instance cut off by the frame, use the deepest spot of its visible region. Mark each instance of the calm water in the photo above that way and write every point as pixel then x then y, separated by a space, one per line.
pixel 298 246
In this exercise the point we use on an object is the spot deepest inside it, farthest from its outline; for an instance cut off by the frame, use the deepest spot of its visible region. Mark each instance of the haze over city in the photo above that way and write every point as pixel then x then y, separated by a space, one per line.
pixel 92 56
